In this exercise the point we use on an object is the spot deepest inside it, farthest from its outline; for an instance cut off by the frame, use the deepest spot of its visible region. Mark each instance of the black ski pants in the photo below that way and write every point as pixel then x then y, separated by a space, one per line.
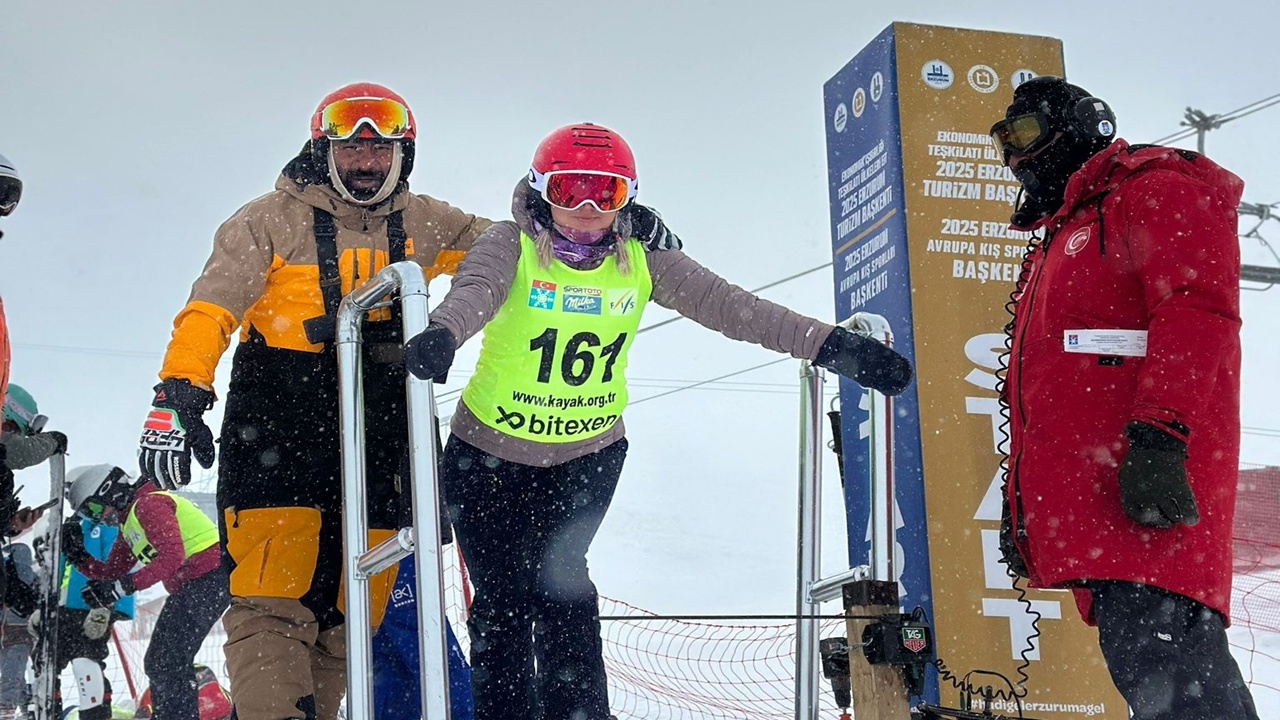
pixel 184 623
pixel 1168 654
pixel 72 643
pixel 524 533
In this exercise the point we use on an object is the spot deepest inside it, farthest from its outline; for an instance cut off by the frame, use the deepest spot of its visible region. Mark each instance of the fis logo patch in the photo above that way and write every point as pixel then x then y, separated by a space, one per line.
pixel 622 302
pixel 582 300
pixel 1073 340
pixel 542 296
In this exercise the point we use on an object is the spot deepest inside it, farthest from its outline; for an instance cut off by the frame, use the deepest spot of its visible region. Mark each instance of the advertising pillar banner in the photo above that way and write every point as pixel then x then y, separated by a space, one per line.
pixel 920 206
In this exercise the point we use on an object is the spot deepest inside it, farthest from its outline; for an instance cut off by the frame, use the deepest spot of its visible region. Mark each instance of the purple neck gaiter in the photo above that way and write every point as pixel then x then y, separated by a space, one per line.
pixel 580 249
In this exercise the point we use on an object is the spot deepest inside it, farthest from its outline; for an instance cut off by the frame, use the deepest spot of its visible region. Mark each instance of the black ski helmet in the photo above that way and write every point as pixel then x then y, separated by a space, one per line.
pixel 1076 126
pixel 10 187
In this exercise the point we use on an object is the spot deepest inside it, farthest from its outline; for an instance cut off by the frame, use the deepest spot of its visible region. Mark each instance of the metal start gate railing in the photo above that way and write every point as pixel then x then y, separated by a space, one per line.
pixel 812 589
pixel 423 538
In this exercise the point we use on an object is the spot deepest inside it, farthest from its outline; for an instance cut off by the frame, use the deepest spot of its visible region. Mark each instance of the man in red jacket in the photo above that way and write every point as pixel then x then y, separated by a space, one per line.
pixel 1123 394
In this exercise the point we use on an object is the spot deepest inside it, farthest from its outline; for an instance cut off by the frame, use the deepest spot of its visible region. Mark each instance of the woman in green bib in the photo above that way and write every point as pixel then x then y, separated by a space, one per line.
pixel 537 440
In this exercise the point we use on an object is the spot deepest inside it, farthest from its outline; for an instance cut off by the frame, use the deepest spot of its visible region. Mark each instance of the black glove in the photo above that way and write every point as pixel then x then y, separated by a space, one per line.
pixel 174 432
pixel 648 228
pixel 1009 554
pixel 105 593
pixel 869 363
pixel 430 353
pixel 73 542
pixel 1153 479
pixel 59 438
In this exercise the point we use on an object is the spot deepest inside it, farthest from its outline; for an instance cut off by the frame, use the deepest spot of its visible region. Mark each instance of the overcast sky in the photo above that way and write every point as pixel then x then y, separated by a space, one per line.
pixel 138 127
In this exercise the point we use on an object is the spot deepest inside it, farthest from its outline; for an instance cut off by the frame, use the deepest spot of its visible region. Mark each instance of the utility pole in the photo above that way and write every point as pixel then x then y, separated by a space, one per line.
pixel 1267 275
pixel 1202 123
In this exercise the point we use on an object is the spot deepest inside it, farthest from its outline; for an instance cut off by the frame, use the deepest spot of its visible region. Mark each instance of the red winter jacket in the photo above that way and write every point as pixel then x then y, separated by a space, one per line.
pixel 1146 240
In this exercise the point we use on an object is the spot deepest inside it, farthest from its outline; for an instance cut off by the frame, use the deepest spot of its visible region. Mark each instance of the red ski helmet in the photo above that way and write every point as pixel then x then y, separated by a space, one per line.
pixel 583 148
pixel 363 110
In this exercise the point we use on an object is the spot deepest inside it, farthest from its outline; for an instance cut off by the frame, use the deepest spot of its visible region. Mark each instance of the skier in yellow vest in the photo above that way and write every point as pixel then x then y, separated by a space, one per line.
pixel 537 440
pixel 175 544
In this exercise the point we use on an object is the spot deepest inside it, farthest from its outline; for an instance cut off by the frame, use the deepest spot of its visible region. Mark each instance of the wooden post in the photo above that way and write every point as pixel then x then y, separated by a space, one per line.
pixel 879 691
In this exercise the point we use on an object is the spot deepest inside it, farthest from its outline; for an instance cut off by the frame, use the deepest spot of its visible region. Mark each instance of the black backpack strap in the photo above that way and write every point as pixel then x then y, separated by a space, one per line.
pixel 395 236
pixel 396 241
pixel 327 261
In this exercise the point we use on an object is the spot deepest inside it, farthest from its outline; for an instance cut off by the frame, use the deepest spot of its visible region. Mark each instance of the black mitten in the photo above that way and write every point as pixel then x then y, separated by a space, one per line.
pixel 867 362
pixel 1153 479
pixel 430 353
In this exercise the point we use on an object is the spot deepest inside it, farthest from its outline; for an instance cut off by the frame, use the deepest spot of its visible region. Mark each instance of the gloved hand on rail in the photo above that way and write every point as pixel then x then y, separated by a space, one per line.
pixel 430 353
pixel 867 362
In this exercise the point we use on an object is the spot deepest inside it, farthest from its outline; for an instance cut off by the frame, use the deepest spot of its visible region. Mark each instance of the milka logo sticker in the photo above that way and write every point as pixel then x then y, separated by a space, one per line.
pixel 582 300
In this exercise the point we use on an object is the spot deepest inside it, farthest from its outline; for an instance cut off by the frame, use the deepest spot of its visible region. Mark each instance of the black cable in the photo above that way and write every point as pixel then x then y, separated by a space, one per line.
pixel 964 684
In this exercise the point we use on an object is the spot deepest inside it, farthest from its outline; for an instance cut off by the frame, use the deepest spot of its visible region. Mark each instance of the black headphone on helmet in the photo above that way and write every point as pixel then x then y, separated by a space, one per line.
pixel 1092 118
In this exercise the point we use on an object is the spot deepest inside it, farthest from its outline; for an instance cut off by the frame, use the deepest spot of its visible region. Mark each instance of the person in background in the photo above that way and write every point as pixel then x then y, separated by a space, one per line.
pixel 1123 393
pixel 10 194
pixel 397 680
pixel 84 633
pixel 340 212
pixel 537 440
pixel 14 519
pixel 15 640
pixel 26 442
pixel 173 543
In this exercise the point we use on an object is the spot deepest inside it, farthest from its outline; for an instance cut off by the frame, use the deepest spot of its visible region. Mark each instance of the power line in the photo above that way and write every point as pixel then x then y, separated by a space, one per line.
pixel 789 278
pixel 1198 122
pixel 705 382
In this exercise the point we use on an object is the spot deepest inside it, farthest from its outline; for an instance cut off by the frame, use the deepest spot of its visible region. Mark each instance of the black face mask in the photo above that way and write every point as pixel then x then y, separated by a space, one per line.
pixel 1045 176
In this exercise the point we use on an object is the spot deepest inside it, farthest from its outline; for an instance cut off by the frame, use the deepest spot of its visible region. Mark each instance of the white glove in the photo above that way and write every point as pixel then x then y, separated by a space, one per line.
pixel 33 624
pixel 97 623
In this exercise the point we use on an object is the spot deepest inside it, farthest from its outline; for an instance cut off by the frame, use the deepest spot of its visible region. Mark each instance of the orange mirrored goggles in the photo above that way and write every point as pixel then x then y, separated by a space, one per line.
pixel 341 120
pixel 570 189
pixel 1025 133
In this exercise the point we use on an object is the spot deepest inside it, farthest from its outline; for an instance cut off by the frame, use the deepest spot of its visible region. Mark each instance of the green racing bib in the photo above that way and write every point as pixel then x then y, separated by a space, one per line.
pixel 553 360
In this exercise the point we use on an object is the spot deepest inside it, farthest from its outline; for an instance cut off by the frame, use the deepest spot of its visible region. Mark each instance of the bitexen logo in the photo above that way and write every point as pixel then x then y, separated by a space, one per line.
pixel 552 425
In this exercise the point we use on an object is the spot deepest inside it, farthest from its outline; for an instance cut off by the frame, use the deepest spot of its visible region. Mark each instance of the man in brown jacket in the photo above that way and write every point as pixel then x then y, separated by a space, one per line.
pixel 340 212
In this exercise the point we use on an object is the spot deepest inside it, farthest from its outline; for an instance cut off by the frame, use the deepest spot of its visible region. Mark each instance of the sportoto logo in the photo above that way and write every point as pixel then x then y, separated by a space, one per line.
pixel 937 75
pixel 983 79
pixel 1078 240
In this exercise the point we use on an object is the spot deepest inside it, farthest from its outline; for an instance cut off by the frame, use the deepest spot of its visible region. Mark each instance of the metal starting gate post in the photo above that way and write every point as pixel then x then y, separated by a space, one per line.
pixel 423 539
pixel 878 692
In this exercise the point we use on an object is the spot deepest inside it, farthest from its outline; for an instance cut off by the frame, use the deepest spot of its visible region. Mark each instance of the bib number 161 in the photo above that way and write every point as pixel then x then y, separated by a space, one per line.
pixel 578 358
